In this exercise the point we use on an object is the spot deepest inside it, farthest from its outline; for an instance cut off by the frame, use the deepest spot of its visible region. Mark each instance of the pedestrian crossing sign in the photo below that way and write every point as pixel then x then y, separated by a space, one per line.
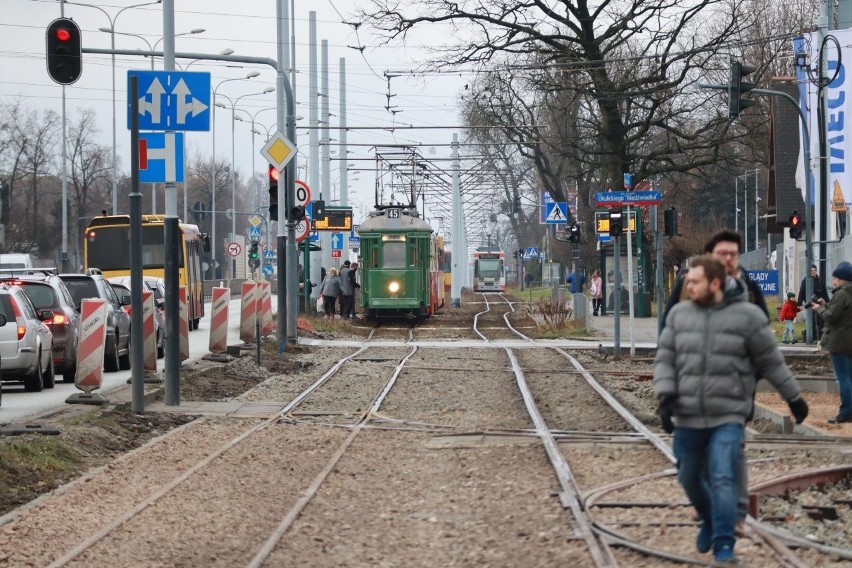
pixel 556 213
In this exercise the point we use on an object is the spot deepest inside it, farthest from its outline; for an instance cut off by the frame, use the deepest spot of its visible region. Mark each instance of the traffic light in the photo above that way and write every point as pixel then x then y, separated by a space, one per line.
pixel 254 254
pixel 670 222
pixel 616 222
pixel 318 209
pixel 736 88
pixel 574 233
pixel 64 51
pixel 297 213
pixel 273 193
pixel 514 254
pixel 795 225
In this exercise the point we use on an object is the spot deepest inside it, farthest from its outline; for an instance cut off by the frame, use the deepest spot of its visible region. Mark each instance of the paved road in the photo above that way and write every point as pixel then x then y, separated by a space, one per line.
pixel 18 405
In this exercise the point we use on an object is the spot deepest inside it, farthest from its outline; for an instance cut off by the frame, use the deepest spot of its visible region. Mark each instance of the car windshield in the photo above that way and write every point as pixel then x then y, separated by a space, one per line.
pixel 122 293
pixel 81 289
pixel 41 295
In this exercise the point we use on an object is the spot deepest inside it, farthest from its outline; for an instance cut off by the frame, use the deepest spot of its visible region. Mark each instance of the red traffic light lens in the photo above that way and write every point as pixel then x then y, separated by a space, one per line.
pixel 273 173
pixel 794 220
pixel 63 34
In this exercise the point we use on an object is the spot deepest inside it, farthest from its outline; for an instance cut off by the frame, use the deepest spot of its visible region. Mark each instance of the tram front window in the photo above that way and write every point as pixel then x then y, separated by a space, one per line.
pixel 393 255
pixel 489 268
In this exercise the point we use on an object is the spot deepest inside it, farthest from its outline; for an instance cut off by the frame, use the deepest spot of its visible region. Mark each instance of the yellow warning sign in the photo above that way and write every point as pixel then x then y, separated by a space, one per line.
pixel 838 203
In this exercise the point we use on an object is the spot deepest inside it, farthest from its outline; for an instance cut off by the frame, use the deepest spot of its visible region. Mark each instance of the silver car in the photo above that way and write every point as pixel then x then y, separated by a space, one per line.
pixel 121 286
pixel 26 343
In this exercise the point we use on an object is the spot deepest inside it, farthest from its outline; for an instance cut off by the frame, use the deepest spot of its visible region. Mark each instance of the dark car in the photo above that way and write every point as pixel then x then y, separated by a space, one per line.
pixel 124 295
pixel 47 292
pixel 94 285
pixel 26 342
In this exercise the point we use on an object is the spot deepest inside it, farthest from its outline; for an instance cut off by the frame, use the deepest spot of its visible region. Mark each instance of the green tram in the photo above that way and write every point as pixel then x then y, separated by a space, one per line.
pixel 401 265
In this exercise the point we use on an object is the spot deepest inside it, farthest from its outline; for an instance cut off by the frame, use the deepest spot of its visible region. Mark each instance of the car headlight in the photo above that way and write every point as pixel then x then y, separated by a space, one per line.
pixel 393 287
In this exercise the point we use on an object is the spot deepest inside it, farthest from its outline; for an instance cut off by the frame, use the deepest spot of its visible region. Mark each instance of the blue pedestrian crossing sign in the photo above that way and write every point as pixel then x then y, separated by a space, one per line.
pixel 531 252
pixel 171 100
pixel 268 253
pixel 254 232
pixel 556 213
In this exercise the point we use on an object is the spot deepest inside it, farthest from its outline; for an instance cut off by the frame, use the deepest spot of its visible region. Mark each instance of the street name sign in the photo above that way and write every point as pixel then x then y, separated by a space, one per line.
pixel 618 198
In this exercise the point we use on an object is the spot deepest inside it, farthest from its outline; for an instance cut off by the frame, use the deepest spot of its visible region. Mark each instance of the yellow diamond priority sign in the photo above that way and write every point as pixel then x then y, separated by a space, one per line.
pixel 278 150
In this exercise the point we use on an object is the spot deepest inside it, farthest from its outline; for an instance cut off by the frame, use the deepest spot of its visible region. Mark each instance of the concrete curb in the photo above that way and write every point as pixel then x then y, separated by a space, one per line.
pixel 786 422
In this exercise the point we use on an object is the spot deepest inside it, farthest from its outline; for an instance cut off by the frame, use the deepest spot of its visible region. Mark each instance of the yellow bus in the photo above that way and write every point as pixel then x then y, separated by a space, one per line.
pixel 106 246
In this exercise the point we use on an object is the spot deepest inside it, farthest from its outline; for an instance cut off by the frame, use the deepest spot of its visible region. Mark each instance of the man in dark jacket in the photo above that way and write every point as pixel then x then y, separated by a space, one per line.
pixel 353 271
pixel 837 339
pixel 347 292
pixel 725 246
pixel 704 375
pixel 821 293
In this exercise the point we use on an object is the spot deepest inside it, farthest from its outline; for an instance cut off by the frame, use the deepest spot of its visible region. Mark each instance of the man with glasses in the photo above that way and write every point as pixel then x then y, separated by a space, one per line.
pixel 726 246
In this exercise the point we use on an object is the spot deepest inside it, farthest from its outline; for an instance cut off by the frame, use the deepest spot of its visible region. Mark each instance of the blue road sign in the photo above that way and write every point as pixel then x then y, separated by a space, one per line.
pixel 556 213
pixel 604 238
pixel 171 100
pixel 268 253
pixel 531 252
pixel 767 280
pixel 267 269
pixel 608 198
pixel 161 157
pixel 254 232
pixel 314 236
pixel 353 235
pixel 337 240
pixel 628 181
pixel 545 199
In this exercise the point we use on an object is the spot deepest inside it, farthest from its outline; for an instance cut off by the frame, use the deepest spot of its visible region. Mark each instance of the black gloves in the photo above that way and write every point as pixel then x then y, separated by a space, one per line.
pixel 799 408
pixel 666 412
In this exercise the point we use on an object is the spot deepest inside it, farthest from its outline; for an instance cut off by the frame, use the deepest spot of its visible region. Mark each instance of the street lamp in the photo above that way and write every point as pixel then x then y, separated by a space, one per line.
pixel 234 118
pixel 151 48
pixel 112 20
pixel 249 75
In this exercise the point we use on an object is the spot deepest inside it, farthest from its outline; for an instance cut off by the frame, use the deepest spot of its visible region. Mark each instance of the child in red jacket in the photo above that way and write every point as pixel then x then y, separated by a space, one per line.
pixel 788 314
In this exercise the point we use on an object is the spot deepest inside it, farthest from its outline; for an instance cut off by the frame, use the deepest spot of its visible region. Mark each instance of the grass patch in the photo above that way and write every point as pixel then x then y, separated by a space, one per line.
pixel 42 453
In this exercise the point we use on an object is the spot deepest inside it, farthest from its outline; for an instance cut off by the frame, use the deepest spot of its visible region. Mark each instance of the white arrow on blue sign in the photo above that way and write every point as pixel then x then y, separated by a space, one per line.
pixel 337 240
pixel 171 100
pixel 161 157
pixel 268 269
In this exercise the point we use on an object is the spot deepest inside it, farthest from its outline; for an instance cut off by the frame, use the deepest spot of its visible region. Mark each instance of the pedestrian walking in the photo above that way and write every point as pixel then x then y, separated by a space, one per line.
pixel 576 281
pixel 725 246
pixel 788 315
pixel 596 292
pixel 330 291
pixel 353 281
pixel 837 336
pixel 820 292
pixel 346 291
pixel 704 377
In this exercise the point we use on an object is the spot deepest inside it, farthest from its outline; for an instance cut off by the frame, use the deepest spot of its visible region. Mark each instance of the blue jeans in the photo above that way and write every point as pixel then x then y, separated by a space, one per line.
pixel 843 375
pixel 789 333
pixel 713 493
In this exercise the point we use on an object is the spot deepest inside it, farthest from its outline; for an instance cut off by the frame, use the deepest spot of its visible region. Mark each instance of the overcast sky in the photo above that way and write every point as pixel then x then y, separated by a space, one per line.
pixel 247 27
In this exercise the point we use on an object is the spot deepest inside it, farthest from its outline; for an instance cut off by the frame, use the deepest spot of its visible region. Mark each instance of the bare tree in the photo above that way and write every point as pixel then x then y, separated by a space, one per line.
pixel 90 165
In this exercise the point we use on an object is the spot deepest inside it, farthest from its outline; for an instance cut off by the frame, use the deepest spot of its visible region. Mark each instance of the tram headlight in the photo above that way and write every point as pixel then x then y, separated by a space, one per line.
pixel 393 287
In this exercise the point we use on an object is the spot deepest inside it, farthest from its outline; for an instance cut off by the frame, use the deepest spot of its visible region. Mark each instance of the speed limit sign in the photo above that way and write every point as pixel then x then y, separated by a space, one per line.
pixel 303 193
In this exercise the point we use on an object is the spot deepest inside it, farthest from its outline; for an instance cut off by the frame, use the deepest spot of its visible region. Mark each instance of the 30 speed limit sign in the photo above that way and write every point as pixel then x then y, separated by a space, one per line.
pixel 303 193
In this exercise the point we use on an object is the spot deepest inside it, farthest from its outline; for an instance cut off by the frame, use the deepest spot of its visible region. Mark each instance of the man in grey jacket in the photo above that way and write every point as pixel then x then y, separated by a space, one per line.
pixel 704 376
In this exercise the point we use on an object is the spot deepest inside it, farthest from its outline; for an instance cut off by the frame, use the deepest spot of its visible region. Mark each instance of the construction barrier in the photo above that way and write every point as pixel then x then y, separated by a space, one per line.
pixel 149 334
pixel 183 314
pixel 248 311
pixel 266 325
pixel 90 349
pixel 219 320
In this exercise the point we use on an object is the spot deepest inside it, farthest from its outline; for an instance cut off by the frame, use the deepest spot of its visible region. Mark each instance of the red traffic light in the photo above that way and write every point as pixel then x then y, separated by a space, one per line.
pixel 63 35
pixel 273 173
pixel 795 220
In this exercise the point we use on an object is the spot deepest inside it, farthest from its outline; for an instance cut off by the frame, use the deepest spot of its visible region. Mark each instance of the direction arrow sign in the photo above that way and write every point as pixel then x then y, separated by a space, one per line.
pixel 337 240
pixel 556 213
pixel 268 269
pixel 171 100
pixel 161 157
pixel 278 150
pixel 608 198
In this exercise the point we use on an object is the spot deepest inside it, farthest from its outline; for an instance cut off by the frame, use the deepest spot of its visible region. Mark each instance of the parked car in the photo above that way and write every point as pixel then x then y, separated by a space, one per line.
pixel 47 292
pixel 94 285
pixel 26 343
pixel 124 295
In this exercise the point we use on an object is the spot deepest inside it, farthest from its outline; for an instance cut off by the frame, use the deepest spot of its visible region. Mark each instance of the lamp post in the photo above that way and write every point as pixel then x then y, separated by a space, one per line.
pixel 249 75
pixel 112 20
pixel 234 118
pixel 151 48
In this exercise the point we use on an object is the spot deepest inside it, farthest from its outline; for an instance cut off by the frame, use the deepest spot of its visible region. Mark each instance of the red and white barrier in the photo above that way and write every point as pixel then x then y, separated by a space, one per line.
pixel 90 349
pixel 266 325
pixel 149 334
pixel 219 320
pixel 248 310
pixel 183 314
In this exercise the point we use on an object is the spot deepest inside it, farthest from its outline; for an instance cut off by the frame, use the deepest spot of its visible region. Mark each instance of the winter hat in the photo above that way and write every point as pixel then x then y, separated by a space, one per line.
pixel 843 271
pixel 790 295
